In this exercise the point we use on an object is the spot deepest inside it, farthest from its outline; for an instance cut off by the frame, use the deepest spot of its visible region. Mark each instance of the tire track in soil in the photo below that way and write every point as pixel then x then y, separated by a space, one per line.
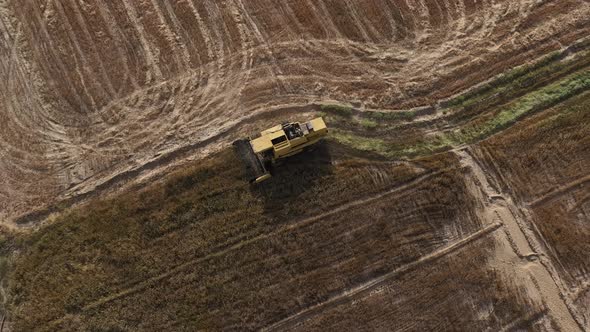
pixel 49 50
pixel 119 41
pixel 205 33
pixel 168 158
pixel 96 58
pixel 222 251
pixel 525 321
pixel 171 33
pixel 368 286
pixel 275 68
pixel 135 26
pixel 162 161
pixel 520 236
pixel 154 75
pixel 583 289
pixel 560 191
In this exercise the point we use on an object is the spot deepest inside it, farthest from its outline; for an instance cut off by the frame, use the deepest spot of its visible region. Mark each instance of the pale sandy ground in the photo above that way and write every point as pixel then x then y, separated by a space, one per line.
pixel 515 256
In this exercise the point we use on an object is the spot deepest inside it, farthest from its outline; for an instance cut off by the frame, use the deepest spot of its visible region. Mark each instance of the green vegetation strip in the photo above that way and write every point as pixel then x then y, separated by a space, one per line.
pixel 392 116
pixel 540 99
pixel 524 76
pixel 513 78
pixel 342 110
pixel 508 85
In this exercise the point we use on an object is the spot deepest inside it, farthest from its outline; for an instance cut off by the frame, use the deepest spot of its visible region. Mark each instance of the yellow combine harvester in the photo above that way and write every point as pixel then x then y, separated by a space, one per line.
pixel 278 142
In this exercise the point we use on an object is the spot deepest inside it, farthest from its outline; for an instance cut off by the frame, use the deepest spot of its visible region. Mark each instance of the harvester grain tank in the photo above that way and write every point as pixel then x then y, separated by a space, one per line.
pixel 278 142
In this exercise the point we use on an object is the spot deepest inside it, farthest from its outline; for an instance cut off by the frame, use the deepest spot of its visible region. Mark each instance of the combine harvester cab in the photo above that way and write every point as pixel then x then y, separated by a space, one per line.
pixel 278 142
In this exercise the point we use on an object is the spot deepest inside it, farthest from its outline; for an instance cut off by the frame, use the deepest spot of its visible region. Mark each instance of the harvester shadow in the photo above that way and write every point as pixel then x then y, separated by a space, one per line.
pixel 291 178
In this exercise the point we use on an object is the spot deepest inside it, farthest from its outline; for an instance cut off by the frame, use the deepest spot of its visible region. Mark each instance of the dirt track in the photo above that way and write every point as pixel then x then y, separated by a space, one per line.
pixel 99 90
pixel 522 257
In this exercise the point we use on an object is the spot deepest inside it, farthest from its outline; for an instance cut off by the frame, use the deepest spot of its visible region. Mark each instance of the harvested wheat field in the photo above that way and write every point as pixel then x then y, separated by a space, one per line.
pixel 452 192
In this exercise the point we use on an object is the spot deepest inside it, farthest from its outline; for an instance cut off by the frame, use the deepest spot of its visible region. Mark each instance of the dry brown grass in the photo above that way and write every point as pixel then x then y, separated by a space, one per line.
pixel 460 291
pixel 549 150
pixel 111 245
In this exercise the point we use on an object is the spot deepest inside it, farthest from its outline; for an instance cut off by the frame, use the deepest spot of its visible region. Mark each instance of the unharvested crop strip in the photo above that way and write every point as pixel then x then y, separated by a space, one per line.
pixel 302 222
pixel 525 321
pixel 362 289
pixel 561 190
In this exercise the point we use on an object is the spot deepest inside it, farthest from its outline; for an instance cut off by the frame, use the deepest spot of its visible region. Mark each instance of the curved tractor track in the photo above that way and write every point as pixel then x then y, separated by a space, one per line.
pixel 95 90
